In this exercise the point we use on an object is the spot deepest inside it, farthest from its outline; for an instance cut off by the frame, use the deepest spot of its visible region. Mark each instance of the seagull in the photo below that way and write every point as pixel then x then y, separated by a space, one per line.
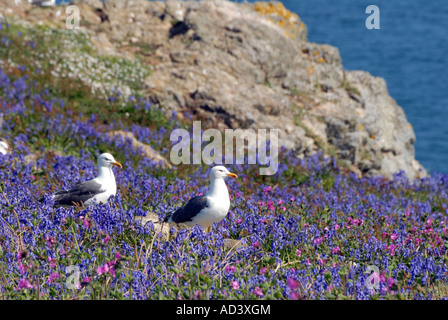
pixel 212 207
pixel 93 191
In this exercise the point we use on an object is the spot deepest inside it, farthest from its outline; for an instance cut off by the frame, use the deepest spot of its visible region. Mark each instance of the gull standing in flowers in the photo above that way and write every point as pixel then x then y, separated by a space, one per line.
pixel 93 191
pixel 212 207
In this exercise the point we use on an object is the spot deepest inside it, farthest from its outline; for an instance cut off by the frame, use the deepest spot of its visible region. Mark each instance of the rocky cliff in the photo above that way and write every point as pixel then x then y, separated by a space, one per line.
pixel 236 65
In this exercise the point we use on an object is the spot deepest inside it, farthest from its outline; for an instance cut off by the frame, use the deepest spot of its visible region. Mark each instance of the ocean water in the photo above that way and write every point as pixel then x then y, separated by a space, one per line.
pixel 410 51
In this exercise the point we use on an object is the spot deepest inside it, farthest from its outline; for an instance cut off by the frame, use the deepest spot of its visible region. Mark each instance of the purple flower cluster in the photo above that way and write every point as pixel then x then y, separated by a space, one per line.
pixel 308 232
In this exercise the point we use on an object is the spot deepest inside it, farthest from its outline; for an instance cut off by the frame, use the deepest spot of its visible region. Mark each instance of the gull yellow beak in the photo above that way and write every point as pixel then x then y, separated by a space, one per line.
pixel 118 164
pixel 232 175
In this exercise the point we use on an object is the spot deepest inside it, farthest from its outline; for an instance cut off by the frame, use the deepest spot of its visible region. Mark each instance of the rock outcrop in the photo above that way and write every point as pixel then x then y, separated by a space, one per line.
pixel 236 65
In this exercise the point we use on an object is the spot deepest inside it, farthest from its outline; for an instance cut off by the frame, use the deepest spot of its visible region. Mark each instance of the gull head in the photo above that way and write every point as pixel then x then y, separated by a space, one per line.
pixel 220 172
pixel 107 160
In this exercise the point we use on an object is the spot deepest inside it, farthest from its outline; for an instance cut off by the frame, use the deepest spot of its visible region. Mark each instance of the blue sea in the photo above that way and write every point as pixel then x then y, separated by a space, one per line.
pixel 410 51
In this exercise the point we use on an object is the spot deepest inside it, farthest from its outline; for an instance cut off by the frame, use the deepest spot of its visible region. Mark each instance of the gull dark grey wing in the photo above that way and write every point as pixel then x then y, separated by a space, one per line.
pixel 80 192
pixel 189 210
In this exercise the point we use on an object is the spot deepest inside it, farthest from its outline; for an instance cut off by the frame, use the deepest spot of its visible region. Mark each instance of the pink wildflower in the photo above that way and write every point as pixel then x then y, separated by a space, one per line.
pixel 230 269
pixel 100 270
pixel 24 283
pixel 112 272
pixel 383 276
pixel 392 249
pixel 53 276
pixel 196 294
pixel 336 250
pixel 86 222
pixel 22 268
pixel 258 291
pixel 292 284
pixel 294 295
pixel 267 189
pixel 106 240
pixel 52 262
pixel 49 240
pixel 390 282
